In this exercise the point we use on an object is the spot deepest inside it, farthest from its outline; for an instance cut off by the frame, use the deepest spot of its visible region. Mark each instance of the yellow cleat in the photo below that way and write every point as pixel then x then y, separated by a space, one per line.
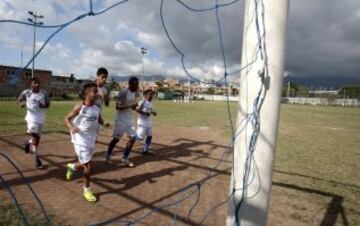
pixel 89 196
pixel 69 172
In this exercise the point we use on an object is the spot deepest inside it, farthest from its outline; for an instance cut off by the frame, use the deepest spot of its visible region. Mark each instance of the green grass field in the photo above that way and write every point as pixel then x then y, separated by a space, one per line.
pixel 318 147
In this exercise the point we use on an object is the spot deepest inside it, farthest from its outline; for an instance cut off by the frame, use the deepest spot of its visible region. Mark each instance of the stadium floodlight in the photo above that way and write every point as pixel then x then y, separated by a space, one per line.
pixel 34 21
pixel 143 51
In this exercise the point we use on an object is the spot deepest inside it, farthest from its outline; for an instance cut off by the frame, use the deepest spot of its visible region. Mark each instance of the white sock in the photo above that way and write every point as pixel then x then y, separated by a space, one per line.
pixel 30 141
pixel 35 149
pixel 86 189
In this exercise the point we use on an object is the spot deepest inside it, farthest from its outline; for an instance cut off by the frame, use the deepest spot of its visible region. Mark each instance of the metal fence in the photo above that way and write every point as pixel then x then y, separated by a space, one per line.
pixel 322 101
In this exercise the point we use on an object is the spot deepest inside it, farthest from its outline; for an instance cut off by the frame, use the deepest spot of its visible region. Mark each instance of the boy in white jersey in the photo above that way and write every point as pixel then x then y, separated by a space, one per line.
pixel 144 129
pixel 124 123
pixel 35 100
pixel 83 122
pixel 103 96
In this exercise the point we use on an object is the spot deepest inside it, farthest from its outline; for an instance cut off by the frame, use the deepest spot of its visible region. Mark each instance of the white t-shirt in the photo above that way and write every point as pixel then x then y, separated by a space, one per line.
pixel 34 113
pixel 102 92
pixel 88 122
pixel 147 107
pixel 126 98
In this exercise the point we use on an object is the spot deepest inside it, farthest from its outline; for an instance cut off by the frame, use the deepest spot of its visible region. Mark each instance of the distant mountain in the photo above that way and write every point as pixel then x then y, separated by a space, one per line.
pixel 323 82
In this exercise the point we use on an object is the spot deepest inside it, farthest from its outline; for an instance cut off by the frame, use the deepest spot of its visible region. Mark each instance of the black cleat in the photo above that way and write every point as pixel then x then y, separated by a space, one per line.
pixel 148 153
pixel 38 163
pixel 27 147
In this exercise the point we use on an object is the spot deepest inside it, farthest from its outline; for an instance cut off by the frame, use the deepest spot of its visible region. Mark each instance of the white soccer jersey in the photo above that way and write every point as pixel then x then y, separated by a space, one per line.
pixel 88 122
pixel 147 107
pixel 126 98
pixel 102 92
pixel 34 113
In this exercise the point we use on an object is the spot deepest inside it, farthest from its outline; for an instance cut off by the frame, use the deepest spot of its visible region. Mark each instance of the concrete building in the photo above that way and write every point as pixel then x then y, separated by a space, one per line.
pixel 14 79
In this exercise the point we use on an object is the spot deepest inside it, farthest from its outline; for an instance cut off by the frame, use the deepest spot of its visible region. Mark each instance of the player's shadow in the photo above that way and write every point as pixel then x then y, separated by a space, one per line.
pixel 334 208
pixel 174 153
pixel 133 181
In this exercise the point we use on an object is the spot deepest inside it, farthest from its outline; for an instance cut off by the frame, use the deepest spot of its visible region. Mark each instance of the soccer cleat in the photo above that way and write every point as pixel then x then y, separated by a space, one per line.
pixel 27 147
pixel 69 171
pixel 108 161
pixel 128 162
pixel 147 152
pixel 89 196
pixel 38 163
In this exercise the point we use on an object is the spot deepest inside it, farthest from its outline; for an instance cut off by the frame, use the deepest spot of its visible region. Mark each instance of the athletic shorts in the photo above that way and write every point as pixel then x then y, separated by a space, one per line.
pixel 121 128
pixel 33 127
pixel 84 153
pixel 144 131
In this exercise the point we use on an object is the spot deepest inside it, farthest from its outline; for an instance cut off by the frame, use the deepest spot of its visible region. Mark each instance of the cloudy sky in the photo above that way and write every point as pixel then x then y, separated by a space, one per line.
pixel 323 37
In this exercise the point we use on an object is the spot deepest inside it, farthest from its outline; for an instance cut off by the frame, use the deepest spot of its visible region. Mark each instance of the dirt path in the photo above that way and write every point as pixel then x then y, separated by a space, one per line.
pixel 125 193
pixel 183 156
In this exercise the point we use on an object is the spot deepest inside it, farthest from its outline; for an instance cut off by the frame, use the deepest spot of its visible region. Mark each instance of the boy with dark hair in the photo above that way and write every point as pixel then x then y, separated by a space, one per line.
pixel 103 93
pixel 35 100
pixel 124 123
pixel 83 122
pixel 144 123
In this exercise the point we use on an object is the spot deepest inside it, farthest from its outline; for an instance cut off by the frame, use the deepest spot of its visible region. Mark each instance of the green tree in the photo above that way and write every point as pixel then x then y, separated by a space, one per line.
pixel 210 90
pixel 114 85
pixel 350 91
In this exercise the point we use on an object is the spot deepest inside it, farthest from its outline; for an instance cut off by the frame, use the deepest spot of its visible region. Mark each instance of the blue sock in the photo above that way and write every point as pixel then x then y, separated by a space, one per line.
pixel 147 143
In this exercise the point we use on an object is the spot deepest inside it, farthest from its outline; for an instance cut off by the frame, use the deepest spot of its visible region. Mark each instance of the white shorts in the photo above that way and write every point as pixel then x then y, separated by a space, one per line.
pixel 144 131
pixel 121 128
pixel 33 127
pixel 84 153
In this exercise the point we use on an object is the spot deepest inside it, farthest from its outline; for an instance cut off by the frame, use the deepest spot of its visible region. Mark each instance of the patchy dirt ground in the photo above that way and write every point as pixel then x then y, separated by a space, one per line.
pixel 182 156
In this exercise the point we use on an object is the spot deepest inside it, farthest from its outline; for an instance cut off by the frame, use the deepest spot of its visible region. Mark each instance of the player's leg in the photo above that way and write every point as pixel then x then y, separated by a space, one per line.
pixel 31 128
pixel 88 194
pixel 140 132
pixel 71 168
pixel 130 131
pixel 35 137
pixel 128 148
pixel 148 140
pixel 117 134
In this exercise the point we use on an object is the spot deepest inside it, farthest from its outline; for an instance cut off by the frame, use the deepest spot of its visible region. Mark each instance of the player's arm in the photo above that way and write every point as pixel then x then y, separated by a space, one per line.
pixel 103 123
pixel 47 101
pixel 141 111
pixel 21 99
pixel 120 106
pixel 69 117
pixel 107 98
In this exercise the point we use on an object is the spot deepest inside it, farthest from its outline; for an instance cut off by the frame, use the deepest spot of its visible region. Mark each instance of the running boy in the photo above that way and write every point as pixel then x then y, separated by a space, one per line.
pixel 35 100
pixel 125 104
pixel 144 128
pixel 103 94
pixel 83 122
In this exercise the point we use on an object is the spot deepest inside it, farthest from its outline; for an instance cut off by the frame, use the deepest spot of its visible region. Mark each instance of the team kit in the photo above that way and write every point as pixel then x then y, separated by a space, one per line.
pixel 84 122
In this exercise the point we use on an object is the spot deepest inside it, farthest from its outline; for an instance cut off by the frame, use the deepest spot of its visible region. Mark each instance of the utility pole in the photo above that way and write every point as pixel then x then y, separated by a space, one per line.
pixel 34 21
pixel 143 51
pixel 250 201
pixel 189 89
pixel 21 58
pixel 288 90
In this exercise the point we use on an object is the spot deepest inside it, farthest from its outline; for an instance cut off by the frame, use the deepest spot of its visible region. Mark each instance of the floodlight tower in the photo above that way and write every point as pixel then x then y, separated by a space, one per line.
pixel 35 22
pixel 143 51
